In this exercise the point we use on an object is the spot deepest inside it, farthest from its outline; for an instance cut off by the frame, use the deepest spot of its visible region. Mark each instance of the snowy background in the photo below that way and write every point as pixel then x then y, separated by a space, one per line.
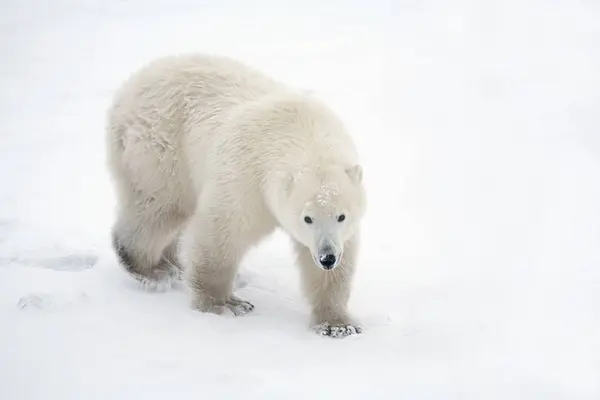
pixel 479 127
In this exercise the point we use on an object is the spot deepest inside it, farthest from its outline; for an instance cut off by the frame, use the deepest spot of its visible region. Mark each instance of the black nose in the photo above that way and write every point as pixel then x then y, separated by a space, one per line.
pixel 327 261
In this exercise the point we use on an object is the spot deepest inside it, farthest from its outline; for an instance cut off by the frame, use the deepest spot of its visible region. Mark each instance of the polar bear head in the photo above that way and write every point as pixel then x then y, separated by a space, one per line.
pixel 322 209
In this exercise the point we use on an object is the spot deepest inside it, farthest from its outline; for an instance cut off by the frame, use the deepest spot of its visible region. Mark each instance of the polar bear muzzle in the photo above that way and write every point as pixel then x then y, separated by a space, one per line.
pixel 328 261
pixel 328 257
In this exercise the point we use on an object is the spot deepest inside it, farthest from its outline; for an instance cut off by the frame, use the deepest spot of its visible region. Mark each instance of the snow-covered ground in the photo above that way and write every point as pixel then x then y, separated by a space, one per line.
pixel 479 126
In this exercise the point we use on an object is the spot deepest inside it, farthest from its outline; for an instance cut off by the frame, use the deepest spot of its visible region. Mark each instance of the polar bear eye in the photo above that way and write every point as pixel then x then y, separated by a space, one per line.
pixel 308 220
pixel 341 218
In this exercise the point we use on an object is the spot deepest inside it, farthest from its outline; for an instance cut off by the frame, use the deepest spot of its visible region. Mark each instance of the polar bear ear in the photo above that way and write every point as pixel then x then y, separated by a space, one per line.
pixel 355 173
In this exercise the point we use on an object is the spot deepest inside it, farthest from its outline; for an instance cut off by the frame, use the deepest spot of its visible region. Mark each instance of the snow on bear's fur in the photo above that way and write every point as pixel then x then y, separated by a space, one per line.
pixel 210 148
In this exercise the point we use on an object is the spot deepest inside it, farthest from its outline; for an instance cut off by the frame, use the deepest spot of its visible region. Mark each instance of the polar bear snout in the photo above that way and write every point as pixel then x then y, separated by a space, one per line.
pixel 328 257
pixel 328 261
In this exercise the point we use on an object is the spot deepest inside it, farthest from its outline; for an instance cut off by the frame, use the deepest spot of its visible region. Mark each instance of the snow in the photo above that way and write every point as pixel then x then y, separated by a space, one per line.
pixel 479 277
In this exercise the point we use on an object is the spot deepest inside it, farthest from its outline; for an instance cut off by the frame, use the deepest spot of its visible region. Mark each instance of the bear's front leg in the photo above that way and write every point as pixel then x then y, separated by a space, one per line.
pixel 329 292
pixel 214 259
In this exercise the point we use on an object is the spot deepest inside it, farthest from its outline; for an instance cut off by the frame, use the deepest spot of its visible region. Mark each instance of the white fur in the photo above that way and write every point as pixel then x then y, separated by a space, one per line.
pixel 211 146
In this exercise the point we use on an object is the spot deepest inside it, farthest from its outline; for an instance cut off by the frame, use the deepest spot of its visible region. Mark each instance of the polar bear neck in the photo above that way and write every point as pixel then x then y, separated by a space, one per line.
pixel 300 131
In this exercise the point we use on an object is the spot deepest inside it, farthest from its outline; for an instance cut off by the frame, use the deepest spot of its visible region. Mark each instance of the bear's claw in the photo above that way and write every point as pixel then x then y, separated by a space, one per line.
pixel 238 306
pixel 337 330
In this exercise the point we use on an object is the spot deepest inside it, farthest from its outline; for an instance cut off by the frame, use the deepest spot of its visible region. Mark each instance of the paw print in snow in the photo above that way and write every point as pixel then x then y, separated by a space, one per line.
pixel 46 302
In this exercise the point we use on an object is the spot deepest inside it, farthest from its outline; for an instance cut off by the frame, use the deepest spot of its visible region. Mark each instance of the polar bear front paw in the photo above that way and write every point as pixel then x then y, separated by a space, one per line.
pixel 235 305
pixel 337 330
pixel 238 306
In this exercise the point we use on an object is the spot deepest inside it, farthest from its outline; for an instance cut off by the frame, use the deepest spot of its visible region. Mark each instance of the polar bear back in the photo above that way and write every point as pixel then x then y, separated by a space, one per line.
pixel 182 120
pixel 176 94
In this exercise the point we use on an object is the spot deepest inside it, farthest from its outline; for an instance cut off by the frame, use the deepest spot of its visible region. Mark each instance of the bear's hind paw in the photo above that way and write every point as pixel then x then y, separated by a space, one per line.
pixel 149 284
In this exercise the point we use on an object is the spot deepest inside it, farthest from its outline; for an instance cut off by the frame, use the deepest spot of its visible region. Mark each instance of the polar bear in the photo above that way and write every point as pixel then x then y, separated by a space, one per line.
pixel 209 147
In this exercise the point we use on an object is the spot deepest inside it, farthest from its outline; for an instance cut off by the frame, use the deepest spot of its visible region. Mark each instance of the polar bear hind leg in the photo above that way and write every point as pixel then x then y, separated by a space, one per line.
pixel 145 238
